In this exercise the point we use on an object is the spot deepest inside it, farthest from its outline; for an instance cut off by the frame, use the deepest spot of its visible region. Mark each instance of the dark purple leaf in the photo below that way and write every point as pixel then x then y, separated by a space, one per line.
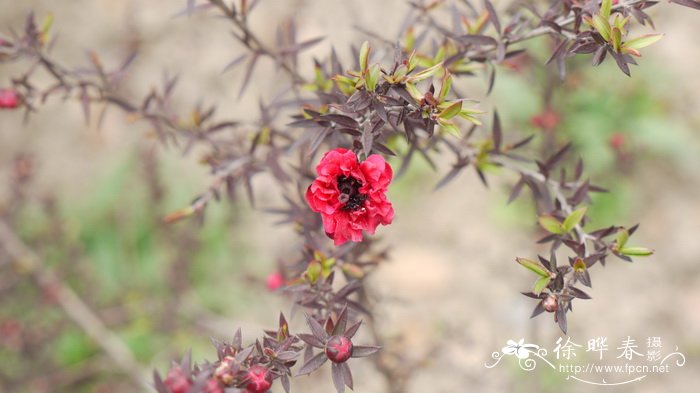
pixel 317 139
pixel 687 3
pixel 347 374
pixel 522 142
pixel 478 39
pixel 359 351
pixel 338 378
pixel 599 55
pixel 233 63
pixel 493 16
pixel 561 318
pixel 298 47
pixel 578 293
pixel 342 120
pixel 284 379
pixel 311 340
pixel 557 156
pixel 248 73
pixel 559 51
pixel 352 329
pixel 450 175
pixel 621 62
pixel 516 190
pixel 316 329
pixel 497 132
pixel 313 364
pixel 539 309
pixel 492 79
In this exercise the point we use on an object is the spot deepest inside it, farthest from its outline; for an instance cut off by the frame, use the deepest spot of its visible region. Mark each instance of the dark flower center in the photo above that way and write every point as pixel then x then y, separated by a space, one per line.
pixel 350 197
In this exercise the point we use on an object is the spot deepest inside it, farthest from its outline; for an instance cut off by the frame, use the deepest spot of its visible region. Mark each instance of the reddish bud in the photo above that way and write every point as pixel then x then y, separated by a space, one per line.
pixel 617 140
pixel 9 98
pixel 546 120
pixel 550 303
pixel 213 386
pixel 259 379
pixel 177 380
pixel 339 349
pixel 274 281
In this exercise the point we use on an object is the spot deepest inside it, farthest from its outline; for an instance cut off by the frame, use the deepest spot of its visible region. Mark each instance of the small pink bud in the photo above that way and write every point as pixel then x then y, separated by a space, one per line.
pixel 617 140
pixel 259 379
pixel 213 386
pixel 9 98
pixel 546 120
pixel 177 380
pixel 550 303
pixel 339 349
pixel 274 281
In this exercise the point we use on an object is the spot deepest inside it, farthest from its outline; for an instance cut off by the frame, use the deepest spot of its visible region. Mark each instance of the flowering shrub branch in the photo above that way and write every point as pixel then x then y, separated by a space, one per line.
pixel 357 118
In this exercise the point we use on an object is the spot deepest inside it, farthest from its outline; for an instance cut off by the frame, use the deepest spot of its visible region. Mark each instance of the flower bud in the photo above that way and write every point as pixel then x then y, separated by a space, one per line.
pixel 177 380
pixel 9 98
pixel 338 349
pixel 550 303
pixel 274 281
pixel 213 386
pixel 224 373
pixel 259 379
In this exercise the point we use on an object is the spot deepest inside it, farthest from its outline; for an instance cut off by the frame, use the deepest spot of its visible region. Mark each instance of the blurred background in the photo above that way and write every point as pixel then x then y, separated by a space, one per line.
pixel 89 202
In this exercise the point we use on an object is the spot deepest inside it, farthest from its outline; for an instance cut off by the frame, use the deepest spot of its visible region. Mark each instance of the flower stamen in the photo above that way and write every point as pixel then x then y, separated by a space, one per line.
pixel 350 197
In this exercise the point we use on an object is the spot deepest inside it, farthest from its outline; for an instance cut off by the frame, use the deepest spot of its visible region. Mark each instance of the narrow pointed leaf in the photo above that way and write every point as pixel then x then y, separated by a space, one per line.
pixel 541 284
pixel 359 351
pixel 574 218
pixel 338 378
pixel 313 364
pixel 551 225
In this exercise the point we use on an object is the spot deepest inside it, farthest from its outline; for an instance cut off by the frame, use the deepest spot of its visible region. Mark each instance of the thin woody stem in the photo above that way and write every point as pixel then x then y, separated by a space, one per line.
pixel 253 43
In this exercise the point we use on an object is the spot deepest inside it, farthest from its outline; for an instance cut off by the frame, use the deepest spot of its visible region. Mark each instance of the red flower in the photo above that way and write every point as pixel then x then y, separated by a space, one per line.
pixel 8 98
pixel 351 195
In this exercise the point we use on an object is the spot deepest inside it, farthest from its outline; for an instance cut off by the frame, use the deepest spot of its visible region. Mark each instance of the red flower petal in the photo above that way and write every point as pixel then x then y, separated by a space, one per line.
pixel 364 207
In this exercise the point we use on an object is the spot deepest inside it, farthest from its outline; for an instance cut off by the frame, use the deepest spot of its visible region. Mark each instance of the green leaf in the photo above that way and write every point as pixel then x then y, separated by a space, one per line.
pixel 533 266
pixel 426 73
pixel 412 61
pixel 643 41
pixel 602 25
pixel 574 218
pixel 622 236
pixel 541 284
pixel 605 8
pixel 413 91
pixel 551 225
pixel 451 111
pixel 364 55
pixel 372 77
pixel 445 87
pixel 636 251
pixel 449 127
pixel 616 36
